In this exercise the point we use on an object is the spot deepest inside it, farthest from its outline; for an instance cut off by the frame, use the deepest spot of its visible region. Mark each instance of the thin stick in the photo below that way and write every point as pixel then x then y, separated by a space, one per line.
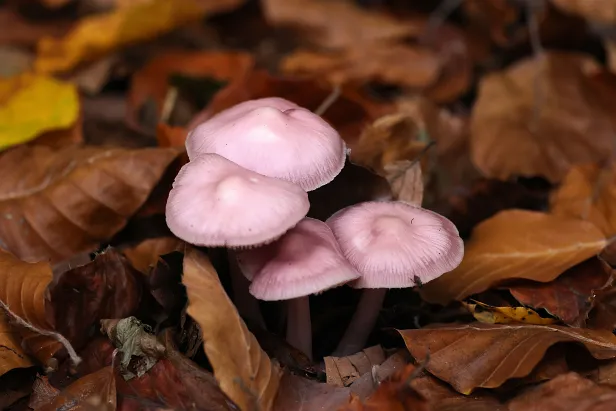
pixel 171 99
pixel 329 101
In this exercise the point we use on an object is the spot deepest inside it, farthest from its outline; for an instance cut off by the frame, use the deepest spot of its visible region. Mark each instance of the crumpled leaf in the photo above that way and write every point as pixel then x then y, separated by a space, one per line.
pixel 152 83
pixel 244 372
pixel 569 297
pixel 133 338
pixel 94 391
pixel 23 289
pixel 145 255
pixel 588 192
pixel 57 107
pixel 343 371
pixel 505 315
pixel 94 36
pixel 521 126
pixel 12 355
pixel 479 355
pixel 567 392
pixel 496 17
pixel 339 23
pixel 42 392
pixel 516 244
pixel 107 287
pixel 58 203
pixel 406 181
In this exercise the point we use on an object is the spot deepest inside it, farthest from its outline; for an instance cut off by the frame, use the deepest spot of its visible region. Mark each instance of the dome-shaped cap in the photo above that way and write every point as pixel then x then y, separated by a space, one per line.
pixel 273 137
pixel 395 244
pixel 214 202
pixel 306 260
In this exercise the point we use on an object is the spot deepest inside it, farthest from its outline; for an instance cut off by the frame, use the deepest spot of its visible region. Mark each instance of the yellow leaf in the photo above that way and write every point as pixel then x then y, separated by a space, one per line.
pixel 243 370
pixel 32 104
pixel 505 315
pixel 98 35
pixel 516 244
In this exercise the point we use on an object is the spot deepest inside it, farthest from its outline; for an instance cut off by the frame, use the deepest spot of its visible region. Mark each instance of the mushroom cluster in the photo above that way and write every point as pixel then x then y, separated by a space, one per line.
pixel 245 188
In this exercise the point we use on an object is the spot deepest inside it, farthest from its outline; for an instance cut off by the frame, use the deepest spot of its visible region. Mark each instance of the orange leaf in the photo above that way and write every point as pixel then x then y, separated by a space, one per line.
pixel 12 355
pixel 588 192
pixel 57 203
pixel 516 244
pixel 169 136
pixel 520 124
pixel 146 254
pixel 480 355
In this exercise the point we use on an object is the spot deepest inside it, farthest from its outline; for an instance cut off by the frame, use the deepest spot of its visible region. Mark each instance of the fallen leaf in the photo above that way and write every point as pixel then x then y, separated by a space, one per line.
pixel 343 371
pixel 23 290
pixel 134 339
pixel 406 182
pixel 516 244
pixel 97 35
pixel 337 24
pixel 107 287
pixel 11 354
pixel 394 394
pixel 603 314
pixel 478 355
pixel 397 64
pixel 348 114
pixel 57 203
pixel 505 315
pixel 587 192
pixel 145 255
pixel 169 136
pixel 42 392
pixel 94 391
pixel 597 10
pixel 245 373
pixel 519 121
pixel 298 393
pixel 496 17
pixel 151 83
pixel 567 392
pixel 569 297
pixel 15 61
pixel 20 31
pixel 57 107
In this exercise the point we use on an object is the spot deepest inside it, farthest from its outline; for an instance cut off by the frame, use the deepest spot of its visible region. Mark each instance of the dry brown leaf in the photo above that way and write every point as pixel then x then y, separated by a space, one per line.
pixel 597 10
pixel 23 290
pixel 567 392
pixel 588 192
pixel 96 391
pixel 406 181
pixel 57 203
pixel 505 315
pixel 337 24
pixel 243 370
pixel 398 64
pixel 145 255
pixel 516 244
pixel 42 392
pixel 495 17
pixel 479 355
pixel 572 295
pixel 299 393
pixel 152 81
pixel 532 119
pixel 169 136
pixel 344 371
pixel 19 31
pixel 12 355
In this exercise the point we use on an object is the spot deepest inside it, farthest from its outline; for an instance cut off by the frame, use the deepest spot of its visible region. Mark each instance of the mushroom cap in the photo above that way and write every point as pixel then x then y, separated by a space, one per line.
pixel 306 260
pixel 394 243
pixel 214 202
pixel 273 137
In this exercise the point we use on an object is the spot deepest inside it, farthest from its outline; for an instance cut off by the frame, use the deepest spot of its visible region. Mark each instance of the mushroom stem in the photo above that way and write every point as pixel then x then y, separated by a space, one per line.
pixel 362 323
pixel 299 327
pixel 247 305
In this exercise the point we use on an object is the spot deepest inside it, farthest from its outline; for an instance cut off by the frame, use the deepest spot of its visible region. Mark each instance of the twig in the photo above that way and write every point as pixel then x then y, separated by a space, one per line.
pixel 329 101
pixel 171 99
pixel 437 18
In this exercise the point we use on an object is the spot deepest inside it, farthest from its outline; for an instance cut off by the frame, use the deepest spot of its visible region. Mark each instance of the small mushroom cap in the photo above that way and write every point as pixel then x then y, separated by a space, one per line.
pixel 273 137
pixel 214 202
pixel 393 244
pixel 306 260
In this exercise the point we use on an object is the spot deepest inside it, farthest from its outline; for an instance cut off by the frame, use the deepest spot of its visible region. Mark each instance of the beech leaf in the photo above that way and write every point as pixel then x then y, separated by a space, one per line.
pixel 12 355
pixel 145 255
pixel 516 244
pixel 243 370
pixel 480 355
pixel 505 315
pixel 58 203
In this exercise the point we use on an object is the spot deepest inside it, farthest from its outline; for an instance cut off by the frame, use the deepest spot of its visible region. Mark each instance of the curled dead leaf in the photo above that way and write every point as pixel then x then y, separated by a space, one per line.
pixel 505 315
pixel 343 371
pixel 516 244
pixel 57 203
pixel 12 355
pixel 479 355
pixel 243 370
pixel 145 255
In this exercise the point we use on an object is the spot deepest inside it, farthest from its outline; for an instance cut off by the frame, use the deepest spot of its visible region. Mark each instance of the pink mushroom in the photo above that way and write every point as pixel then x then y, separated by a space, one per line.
pixel 214 202
pixel 273 137
pixel 392 245
pixel 306 260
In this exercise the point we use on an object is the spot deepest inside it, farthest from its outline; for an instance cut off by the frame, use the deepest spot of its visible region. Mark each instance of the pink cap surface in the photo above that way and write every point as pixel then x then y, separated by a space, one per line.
pixel 393 243
pixel 214 202
pixel 306 260
pixel 273 137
